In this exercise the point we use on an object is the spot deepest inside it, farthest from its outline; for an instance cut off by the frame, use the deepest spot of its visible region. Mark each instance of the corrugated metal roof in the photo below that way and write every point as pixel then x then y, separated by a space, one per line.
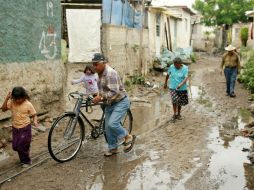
pixel 82 1
pixel 185 8
pixel 77 4
pixel 249 13
pixel 163 10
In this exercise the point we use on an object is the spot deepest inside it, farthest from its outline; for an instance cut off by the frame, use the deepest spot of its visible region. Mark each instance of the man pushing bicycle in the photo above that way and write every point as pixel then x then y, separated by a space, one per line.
pixel 112 92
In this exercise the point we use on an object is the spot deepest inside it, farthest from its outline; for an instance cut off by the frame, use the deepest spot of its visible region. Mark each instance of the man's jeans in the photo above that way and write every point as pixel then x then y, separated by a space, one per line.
pixel 230 74
pixel 113 116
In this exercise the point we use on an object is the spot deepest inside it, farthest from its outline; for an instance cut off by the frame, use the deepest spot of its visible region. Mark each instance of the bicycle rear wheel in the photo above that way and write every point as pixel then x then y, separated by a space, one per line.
pixel 127 121
pixel 65 137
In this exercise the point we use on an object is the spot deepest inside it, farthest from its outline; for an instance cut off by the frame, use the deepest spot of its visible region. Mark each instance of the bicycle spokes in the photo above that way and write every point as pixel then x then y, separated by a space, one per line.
pixel 70 128
pixel 65 138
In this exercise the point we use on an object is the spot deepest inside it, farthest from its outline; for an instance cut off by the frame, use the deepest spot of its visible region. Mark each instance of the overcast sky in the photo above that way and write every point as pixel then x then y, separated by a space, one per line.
pixel 182 2
pixel 175 2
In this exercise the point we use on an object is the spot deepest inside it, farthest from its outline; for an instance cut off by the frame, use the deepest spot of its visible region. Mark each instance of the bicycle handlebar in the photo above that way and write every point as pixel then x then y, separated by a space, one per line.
pixel 77 95
pixel 86 101
pixel 80 96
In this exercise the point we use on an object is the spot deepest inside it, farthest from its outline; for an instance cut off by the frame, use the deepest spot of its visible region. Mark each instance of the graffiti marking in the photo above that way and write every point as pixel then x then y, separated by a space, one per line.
pixel 50 9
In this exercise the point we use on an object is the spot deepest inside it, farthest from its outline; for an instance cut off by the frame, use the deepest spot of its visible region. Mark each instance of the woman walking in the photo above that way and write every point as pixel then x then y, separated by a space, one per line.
pixel 176 80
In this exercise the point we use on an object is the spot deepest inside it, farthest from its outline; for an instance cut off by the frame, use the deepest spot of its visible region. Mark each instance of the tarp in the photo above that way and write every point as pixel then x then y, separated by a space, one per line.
pixel 84 33
pixel 121 12
pixel 167 56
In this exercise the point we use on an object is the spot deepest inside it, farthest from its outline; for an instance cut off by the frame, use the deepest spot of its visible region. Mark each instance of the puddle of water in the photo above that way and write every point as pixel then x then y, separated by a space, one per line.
pixel 147 116
pixel 146 176
pixel 196 92
pixel 227 163
pixel 238 123
pixel 98 183
pixel 243 118
pixel 186 177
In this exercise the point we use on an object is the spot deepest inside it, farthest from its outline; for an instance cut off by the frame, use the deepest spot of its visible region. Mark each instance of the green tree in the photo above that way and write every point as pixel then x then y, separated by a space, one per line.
pixel 223 12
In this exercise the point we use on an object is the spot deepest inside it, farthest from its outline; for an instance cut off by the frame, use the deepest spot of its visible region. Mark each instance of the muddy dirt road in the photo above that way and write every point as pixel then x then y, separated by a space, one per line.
pixel 200 152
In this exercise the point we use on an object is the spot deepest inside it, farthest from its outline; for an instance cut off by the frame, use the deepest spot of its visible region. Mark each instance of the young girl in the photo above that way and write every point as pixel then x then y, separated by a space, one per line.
pixel 22 110
pixel 90 79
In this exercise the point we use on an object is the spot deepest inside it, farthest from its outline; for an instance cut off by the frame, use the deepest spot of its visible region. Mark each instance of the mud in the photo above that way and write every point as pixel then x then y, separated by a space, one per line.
pixel 202 151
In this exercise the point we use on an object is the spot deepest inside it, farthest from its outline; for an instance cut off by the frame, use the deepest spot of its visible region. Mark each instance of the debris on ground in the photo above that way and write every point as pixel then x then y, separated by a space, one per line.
pixel 34 132
pixel 249 125
pixel 251 156
pixel 150 85
pixel 247 133
pixel 40 128
pixel 245 149
pixel 3 154
pixel 1 145
pixel 251 108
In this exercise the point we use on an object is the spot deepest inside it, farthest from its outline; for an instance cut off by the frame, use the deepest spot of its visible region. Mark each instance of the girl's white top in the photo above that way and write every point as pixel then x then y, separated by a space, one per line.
pixel 90 82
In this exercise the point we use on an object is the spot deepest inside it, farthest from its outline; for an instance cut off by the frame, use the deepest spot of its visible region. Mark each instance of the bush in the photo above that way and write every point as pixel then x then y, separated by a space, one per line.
pixel 128 85
pixel 193 57
pixel 138 79
pixel 247 76
pixel 244 36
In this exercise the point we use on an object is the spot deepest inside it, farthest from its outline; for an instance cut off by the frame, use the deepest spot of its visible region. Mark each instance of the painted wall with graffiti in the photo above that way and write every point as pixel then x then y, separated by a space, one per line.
pixel 30 30
pixel 30 33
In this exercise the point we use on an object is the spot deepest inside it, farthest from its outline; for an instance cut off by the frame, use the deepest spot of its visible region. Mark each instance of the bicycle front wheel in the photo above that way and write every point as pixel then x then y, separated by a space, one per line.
pixel 65 137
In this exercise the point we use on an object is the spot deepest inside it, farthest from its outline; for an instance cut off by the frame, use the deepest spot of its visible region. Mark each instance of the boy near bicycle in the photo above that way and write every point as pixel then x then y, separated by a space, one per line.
pixel 112 92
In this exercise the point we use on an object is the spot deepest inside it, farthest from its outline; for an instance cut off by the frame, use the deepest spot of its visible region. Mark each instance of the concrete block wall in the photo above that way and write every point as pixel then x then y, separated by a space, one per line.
pixel 184 29
pixel 218 37
pixel 152 33
pixel 43 81
pixel 121 45
pixel 30 53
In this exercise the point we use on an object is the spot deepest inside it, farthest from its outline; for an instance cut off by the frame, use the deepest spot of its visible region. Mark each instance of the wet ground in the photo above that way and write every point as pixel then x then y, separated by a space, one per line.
pixel 202 151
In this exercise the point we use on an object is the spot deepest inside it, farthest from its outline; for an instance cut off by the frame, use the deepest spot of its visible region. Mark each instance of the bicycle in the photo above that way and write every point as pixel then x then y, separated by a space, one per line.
pixel 68 130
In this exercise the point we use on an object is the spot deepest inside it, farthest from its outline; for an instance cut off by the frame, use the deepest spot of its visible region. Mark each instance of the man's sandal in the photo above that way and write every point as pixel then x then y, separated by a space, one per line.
pixel 110 153
pixel 128 145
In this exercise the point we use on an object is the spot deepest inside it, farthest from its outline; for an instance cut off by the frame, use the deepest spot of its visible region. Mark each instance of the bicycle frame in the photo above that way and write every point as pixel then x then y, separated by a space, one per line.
pixel 81 103
pixel 77 110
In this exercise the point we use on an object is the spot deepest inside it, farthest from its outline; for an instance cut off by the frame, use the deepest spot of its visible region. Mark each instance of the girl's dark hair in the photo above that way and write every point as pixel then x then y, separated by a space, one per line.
pixel 19 92
pixel 89 67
